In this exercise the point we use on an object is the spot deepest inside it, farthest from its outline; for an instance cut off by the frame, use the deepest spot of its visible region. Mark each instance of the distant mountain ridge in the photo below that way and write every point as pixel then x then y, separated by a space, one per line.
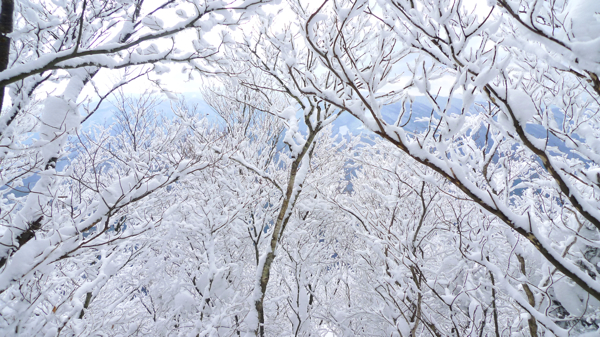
pixel 344 125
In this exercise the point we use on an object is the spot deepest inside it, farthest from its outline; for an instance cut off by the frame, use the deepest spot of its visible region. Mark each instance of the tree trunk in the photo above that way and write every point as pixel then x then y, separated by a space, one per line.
pixel 6 27
pixel 289 200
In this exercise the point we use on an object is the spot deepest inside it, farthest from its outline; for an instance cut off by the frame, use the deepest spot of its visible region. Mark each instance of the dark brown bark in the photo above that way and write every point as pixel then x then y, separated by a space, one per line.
pixel 88 299
pixel 494 308
pixel 6 27
pixel 25 236
pixel 282 220
pixel 595 82
pixel 533 328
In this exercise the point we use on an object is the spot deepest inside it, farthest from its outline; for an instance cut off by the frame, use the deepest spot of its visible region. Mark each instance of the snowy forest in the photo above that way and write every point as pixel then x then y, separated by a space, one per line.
pixel 333 168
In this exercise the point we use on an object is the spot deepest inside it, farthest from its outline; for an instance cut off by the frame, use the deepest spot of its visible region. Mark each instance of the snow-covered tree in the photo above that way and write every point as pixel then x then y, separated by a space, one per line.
pixel 50 52
pixel 519 144
pixel 68 43
pixel 467 206
pixel 107 195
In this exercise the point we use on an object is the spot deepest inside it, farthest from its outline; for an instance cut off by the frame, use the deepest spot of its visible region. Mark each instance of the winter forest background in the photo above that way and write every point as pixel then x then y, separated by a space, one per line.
pixel 300 168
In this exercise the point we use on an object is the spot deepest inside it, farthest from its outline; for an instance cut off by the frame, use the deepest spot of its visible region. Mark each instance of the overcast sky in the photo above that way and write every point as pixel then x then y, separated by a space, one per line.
pixel 178 82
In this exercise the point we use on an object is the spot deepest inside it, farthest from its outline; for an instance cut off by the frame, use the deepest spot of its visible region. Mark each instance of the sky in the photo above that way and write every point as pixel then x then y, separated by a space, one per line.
pixel 176 81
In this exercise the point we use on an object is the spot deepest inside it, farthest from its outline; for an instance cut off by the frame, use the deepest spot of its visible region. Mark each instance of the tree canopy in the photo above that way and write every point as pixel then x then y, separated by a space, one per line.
pixel 355 168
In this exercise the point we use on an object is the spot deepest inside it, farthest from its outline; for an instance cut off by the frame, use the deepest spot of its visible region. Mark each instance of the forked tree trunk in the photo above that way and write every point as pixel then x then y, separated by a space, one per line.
pixel 285 212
